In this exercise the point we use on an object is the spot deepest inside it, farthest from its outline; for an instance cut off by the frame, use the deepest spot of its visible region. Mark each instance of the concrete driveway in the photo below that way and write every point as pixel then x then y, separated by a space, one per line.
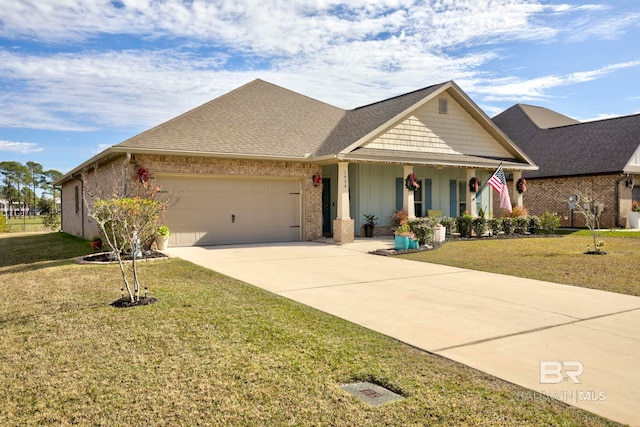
pixel 578 345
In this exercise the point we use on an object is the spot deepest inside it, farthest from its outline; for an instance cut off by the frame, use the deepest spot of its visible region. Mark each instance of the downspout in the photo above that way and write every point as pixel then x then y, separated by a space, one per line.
pixel 617 198
pixel 55 208
pixel 82 208
pixel 124 175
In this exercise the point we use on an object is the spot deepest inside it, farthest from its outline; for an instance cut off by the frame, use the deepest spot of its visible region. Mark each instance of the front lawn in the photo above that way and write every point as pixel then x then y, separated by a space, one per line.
pixel 25 224
pixel 554 259
pixel 214 351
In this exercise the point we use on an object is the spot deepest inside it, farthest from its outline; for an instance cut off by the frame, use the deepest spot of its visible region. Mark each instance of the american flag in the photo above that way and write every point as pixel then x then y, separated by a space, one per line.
pixel 499 183
pixel 497 180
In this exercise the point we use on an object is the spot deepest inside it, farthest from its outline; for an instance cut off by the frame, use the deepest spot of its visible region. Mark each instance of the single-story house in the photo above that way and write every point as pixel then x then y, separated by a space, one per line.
pixel 262 164
pixel 599 159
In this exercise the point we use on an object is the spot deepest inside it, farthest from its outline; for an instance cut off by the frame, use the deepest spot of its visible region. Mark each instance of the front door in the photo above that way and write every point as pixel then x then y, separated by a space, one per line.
pixel 326 207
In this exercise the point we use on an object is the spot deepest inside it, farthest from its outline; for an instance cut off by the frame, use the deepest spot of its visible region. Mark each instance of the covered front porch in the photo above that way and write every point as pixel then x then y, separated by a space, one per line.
pixel 354 189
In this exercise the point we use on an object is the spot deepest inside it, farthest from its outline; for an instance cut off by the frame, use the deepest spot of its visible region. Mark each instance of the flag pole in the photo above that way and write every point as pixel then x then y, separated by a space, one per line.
pixel 487 181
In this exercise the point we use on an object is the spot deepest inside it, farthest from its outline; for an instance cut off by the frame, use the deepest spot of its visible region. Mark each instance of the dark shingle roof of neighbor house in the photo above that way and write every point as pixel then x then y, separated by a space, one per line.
pixel 571 148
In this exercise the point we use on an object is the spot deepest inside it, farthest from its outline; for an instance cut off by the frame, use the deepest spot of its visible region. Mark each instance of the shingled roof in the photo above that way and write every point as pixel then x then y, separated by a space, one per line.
pixel 589 148
pixel 256 119
pixel 260 118
pixel 361 121
pixel 266 121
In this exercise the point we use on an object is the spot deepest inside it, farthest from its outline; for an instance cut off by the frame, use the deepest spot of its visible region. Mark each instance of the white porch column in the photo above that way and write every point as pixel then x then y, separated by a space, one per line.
pixel 408 201
pixel 519 199
pixel 471 197
pixel 343 225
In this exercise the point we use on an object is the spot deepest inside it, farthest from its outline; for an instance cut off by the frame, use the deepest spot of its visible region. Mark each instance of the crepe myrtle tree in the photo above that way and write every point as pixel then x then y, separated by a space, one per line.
pixel 591 209
pixel 127 214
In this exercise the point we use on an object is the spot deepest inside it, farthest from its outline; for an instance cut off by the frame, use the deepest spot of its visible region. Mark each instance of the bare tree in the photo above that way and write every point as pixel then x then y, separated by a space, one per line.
pixel 591 209
pixel 127 213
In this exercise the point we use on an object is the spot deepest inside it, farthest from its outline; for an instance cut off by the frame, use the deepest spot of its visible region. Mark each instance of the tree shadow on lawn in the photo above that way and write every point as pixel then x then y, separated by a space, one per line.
pixel 38 247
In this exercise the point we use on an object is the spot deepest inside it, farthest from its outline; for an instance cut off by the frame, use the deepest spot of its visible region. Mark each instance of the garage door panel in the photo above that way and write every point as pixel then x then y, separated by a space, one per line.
pixel 213 211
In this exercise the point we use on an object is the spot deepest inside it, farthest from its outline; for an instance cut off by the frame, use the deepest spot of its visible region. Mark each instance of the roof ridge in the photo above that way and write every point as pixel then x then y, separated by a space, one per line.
pixel 401 95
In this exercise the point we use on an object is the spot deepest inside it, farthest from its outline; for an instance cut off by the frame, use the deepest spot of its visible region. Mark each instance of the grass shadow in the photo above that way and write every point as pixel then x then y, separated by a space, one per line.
pixel 41 247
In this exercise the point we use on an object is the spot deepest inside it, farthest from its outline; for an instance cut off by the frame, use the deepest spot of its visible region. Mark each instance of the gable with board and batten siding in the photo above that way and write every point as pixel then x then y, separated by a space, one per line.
pixel 427 130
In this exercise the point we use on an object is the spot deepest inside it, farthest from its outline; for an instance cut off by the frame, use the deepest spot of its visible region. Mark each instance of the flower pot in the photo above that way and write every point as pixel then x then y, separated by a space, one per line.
pixel 161 242
pixel 96 245
pixel 401 243
pixel 414 244
pixel 634 219
pixel 368 230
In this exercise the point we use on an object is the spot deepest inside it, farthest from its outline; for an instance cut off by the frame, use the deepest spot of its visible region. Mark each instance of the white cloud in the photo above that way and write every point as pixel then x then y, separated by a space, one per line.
pixel 345 53
pixel 20 147
pixel 100 148
pixel 536 89
pixel 609 28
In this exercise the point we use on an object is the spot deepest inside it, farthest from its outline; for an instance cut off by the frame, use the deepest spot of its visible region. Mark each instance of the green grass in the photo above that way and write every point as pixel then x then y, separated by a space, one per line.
pixel 214 351
pixel 557 259
pixel 16 225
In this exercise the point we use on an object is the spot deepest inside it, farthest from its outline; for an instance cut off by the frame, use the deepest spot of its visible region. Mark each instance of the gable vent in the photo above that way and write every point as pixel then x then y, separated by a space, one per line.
pixel 442 105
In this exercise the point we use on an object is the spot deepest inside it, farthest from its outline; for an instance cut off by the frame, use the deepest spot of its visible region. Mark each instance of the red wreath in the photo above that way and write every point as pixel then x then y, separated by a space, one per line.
pixel 474 184
pixel 411 183
pixel 143 176
pixel 317 179
pixel 521 185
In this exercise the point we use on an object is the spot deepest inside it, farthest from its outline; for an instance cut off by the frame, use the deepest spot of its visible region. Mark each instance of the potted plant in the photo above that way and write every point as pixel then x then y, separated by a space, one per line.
pixel 634 215
pixel 369 225
pixel 96 243
pixel 162 237
pixel 404 239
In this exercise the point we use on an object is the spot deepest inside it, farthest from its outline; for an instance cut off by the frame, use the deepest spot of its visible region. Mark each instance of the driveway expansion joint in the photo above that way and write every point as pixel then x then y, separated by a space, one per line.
pixel 530 331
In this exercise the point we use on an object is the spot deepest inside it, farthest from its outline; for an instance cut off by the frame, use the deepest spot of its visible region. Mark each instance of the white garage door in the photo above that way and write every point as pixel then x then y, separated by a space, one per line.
pixel 216 211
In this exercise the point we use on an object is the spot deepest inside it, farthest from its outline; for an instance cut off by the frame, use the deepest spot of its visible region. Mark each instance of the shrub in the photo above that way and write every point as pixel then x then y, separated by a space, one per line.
pixel 449 224
pixel 495 225
pixel 549 222
pixel 518 211
pixel 534 224
pixel 464 224
pixel 423 228
pixel 479 224
pixel 3 224
pixel 520 224
pixel 52 221
pixel 399 217
pixel 507 225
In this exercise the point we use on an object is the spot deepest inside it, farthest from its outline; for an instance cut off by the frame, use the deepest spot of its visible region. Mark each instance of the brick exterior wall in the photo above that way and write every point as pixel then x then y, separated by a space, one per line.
pixel 552 194
pixel 72 221
pixel 75 219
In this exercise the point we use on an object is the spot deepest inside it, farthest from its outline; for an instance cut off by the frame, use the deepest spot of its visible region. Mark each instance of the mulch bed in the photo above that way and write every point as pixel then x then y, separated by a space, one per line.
pixel 455 238
pixel 105 257
pixel 125 302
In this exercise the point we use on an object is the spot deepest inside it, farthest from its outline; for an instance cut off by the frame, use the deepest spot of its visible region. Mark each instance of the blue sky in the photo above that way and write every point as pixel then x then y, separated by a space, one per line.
pixel 77 76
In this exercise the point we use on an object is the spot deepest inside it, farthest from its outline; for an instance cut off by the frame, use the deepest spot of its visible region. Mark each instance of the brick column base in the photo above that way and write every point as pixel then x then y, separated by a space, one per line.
pixel 343 230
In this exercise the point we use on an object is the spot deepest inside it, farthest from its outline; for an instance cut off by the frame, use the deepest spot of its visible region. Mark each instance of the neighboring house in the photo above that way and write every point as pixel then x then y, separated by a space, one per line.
pixel 262 164
pixel 599 159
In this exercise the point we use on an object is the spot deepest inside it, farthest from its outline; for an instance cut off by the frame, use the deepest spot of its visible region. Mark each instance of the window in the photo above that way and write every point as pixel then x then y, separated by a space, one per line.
pixel 462 197
pixel 442 105
pixel 77 199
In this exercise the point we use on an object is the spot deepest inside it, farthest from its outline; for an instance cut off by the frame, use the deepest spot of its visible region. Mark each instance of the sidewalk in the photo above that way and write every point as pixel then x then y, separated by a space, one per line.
pixel 578 345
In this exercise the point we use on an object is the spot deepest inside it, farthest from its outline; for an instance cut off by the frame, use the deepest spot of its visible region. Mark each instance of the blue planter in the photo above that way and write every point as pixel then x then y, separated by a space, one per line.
pixel 413 244
pixel 401 243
